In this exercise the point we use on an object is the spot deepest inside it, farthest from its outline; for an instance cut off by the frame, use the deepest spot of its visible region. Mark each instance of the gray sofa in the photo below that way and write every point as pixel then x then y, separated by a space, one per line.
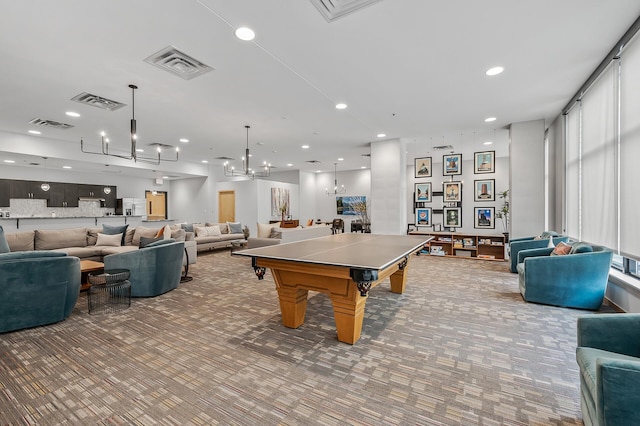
pixel 81 242
pixel 210 242
pixel 37 288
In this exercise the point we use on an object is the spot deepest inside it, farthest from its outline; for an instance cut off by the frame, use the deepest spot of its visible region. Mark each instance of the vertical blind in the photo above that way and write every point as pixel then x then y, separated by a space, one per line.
pixel 572 177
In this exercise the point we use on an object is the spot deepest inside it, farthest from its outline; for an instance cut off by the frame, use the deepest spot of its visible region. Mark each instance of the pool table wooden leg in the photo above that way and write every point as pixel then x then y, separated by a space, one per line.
pixel 348 315
pixel 293 305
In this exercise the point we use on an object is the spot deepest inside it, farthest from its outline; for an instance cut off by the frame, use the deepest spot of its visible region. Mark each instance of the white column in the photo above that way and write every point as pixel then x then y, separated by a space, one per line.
pixel 526 178
pixel 388 187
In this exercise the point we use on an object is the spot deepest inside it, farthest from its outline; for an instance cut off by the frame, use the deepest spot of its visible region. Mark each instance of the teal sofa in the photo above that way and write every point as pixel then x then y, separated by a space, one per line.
pixel 155 269
pixel 527 243
pixel 37 288
pixel 575 280
pixel 608 355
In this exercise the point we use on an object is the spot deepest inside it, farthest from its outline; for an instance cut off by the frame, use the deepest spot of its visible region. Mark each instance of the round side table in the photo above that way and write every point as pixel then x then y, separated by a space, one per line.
pixel 110 291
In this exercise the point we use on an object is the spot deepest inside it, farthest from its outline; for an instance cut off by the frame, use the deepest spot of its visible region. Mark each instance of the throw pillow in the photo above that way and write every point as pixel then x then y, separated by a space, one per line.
pixel 179 234
pixel 4 245
pixel 561 249
pixel 188 227
pixel 581 247
pixel 164 232
pixel 235 227
pixel 208 231
pixel 145 241
pixel 115 229
pixel 114 240
pixel 264 229
pixel 310 222
pixel 275 234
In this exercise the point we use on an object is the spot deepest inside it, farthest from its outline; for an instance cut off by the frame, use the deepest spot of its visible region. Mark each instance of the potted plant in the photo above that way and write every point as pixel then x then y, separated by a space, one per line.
pixel 283 210
pixel 503 213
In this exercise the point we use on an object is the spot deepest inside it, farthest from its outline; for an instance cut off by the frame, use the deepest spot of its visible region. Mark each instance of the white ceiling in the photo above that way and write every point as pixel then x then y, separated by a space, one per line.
pixel 411 69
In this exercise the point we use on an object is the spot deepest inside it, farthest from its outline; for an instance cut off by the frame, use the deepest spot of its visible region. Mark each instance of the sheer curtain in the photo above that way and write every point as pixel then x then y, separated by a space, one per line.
pixel 572 172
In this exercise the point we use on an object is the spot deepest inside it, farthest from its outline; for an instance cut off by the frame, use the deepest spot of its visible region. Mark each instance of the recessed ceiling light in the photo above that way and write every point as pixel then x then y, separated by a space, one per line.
pixel 246 34
pixel 72 114
pixel 382 135
pixel 35 132
pixel 488 143
pixel 305 146
pixel 184 140
pixel 318 171
pixel 494 71
pixel 363 167
pixel 165 177
pixel 341 106
pixel 66 167
pixel 490 119
pixel 205 161
pixel 9 161
pixel 139 150
pixel 289 165
pixel 340 159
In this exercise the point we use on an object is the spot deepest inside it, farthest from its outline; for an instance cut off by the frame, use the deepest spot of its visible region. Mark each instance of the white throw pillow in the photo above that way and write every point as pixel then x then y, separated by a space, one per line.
pixel 166 234
pixel 264 229
pixel 208 231
pixel 109 240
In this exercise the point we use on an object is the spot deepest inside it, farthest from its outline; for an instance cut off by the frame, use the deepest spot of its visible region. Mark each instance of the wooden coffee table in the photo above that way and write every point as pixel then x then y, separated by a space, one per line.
pixel 87 266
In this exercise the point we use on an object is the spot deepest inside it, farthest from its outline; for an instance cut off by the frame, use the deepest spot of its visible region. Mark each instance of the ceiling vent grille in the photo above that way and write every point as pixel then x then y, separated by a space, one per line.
pixel 443 148
pixel 97 101
pixel 334 9
pixel 178 63
pixel 224 158
pixel 312 161
pixel 162 146
pixel 50 123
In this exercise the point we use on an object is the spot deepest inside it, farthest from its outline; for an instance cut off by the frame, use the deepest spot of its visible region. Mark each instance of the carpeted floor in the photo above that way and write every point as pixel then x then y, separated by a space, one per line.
pixel 458 347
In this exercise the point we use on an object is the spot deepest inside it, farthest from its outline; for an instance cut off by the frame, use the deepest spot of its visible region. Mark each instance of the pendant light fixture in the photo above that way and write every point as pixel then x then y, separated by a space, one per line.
pixel 134 155
pixel 336 189
pixel 247 171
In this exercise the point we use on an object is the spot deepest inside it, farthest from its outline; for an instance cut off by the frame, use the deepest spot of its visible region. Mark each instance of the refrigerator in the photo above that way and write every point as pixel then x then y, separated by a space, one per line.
pixel 132 207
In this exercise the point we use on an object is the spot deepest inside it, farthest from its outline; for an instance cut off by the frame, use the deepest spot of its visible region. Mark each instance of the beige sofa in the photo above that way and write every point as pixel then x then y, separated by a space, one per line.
pixel 286 235
pixel 81 242
pixel 221 239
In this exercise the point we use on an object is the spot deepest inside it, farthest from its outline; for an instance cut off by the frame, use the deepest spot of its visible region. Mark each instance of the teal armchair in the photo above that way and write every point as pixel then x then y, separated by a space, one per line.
pixel 37 288
pixel 576 280
pixel 527 243
pixel 608 355
pixel 155 269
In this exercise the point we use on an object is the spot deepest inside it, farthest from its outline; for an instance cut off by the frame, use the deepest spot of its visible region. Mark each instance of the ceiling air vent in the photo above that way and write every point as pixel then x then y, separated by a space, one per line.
pixel 443 148
pixel 312 161
pixel 97 101
pixel 50 123
pixel 178 63
pixel 224 158
pixel 162 146
pixel 334 9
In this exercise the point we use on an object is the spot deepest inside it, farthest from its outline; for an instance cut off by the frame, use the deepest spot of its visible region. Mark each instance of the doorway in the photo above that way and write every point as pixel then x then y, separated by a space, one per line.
pixel 226 206
pixel 156 205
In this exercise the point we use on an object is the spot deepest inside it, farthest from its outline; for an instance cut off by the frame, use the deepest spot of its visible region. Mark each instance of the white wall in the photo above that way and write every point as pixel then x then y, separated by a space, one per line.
pixel 501 177
pixel 388 187
pixel 189 200
pixel 308 203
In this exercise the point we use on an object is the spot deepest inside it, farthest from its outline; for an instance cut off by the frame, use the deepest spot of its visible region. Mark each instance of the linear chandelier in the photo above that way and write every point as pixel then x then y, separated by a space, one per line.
pixel 336 189
pixel 134 155
pixel 247 171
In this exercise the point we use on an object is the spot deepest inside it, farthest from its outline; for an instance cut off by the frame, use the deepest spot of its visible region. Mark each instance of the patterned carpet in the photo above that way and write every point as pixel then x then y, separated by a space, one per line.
pixel 458 347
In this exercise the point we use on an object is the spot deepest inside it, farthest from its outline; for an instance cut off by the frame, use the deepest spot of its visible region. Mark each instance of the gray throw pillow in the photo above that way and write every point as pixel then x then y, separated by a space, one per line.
pixel 188 227
pixel 4 245
pixel 114 230
pixel 145 241
pixel 275 234
pixel 235 227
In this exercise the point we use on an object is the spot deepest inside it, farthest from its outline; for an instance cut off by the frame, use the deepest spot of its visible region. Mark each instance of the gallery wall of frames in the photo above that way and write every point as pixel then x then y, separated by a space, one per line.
pixel 455 194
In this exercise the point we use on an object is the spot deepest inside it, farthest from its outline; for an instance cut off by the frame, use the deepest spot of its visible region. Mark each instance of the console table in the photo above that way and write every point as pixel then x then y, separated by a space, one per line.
pixel 287 223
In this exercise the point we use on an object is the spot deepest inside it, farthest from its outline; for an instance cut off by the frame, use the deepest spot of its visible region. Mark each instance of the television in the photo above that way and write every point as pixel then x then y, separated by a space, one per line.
pixel 347 205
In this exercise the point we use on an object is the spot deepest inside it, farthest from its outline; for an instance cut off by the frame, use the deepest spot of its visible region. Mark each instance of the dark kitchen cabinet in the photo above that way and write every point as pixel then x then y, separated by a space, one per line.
pixel 5 184
pixel 63 195
pixel 28 189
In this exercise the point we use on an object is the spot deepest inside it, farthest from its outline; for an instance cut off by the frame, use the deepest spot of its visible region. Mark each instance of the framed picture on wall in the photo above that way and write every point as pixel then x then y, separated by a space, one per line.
pixel 452 192
pixel 452 217
pixel 422 192
pixel 452 164
pixel 423 216
pixel 422 167
pixel 484 190
pixel 485 217
pixel 484 162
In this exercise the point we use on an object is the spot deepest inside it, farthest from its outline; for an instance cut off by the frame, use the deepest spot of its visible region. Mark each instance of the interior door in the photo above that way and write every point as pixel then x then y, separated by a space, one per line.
pixel 156 205
pixel 226 206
